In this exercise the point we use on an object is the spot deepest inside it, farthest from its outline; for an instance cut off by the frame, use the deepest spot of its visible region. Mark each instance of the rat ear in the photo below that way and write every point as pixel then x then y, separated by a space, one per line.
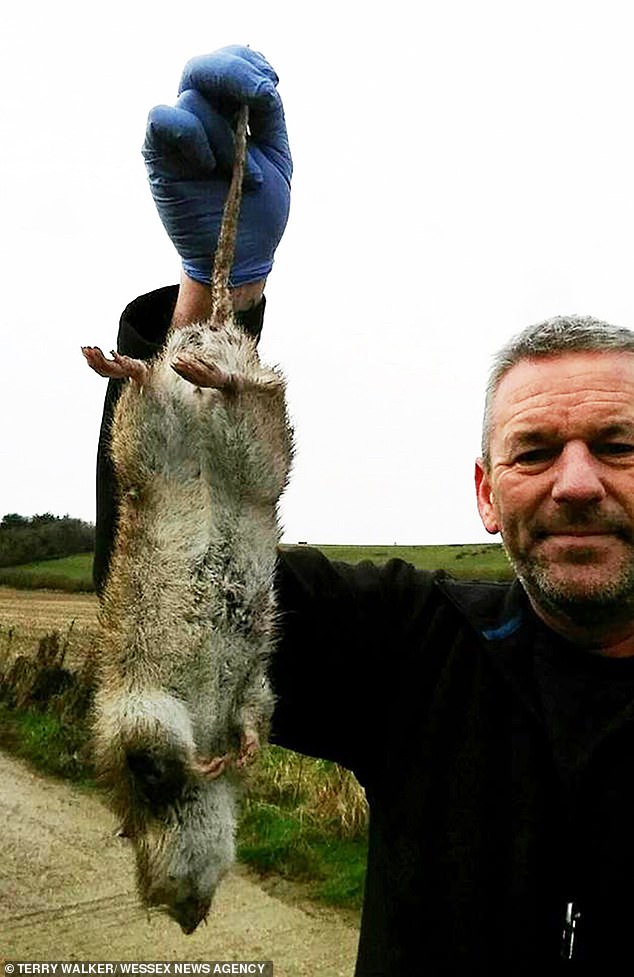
pixel 485 497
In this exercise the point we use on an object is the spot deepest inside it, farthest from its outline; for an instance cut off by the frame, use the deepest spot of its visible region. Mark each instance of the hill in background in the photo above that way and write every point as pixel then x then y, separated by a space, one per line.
pixel 27 539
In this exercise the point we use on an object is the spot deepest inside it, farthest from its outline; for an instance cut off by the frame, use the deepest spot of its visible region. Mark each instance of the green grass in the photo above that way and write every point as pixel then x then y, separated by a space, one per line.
pixel 48 744
pixel 474 561
pixel 69 573
pixel 306 820
pixel 272 840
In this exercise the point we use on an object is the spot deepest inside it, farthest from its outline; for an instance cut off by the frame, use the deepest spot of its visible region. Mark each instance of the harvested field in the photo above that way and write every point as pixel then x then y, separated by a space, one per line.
pixel 27 615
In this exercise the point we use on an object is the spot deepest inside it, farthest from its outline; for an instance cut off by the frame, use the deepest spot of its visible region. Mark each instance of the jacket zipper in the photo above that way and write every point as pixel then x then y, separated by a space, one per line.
pixel 569 932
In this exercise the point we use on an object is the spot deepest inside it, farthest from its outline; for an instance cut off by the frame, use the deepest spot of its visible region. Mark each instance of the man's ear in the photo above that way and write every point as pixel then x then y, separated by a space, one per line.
pixel 486 502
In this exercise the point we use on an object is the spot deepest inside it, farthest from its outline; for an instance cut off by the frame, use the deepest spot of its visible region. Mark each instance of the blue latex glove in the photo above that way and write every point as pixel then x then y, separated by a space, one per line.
pixel 188 152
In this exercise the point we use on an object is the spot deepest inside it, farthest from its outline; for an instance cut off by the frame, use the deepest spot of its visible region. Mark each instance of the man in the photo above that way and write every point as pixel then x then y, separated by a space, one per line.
pixel 491 725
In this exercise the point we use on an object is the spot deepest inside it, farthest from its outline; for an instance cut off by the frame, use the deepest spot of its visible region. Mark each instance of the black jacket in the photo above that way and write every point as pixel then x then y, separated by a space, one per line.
pixel 479 837
pixel 432 692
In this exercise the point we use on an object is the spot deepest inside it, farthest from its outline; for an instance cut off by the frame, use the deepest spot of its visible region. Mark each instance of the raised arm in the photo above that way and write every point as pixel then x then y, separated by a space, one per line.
pixel 188 152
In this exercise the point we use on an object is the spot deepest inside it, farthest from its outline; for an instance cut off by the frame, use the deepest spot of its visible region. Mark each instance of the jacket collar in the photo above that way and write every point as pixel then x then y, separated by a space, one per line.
pixel 504 622
pixel 495 610
pixel 506 627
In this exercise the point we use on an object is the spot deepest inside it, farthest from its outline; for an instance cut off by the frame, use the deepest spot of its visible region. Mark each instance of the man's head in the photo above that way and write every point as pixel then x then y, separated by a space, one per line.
pixel 556 477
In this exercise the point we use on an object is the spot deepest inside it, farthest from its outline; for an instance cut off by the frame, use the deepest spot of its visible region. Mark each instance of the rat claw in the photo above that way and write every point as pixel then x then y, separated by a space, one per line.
pixel 211 768
pixel 249 747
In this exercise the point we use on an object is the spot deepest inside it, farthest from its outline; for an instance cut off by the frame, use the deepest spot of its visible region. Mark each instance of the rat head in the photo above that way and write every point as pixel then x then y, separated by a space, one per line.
pixel 182 855
pixel 180 821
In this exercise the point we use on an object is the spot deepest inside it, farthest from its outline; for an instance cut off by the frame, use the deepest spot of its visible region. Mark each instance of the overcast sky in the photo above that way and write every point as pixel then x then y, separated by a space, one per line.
pixel 461 169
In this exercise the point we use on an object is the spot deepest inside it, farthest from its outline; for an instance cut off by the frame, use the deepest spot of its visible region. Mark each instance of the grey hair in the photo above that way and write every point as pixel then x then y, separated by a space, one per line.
pixel 562 334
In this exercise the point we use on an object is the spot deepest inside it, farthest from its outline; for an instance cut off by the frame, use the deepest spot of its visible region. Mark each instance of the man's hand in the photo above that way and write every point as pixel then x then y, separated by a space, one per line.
pixel 188 153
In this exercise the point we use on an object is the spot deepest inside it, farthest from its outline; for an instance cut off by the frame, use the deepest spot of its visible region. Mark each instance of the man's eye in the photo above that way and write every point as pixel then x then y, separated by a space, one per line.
pixel 614 449
pixel 536 456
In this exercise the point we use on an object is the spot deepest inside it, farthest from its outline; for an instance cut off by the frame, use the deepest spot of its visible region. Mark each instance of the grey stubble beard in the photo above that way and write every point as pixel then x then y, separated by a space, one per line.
pixel 601 609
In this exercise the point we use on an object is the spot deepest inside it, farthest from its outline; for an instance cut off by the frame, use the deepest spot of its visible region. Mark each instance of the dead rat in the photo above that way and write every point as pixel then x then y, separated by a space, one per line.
pixel 201 447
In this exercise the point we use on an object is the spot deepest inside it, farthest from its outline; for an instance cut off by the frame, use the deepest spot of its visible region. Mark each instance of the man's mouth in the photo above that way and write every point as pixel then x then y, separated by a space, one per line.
pixel 573 537
pixel 582 532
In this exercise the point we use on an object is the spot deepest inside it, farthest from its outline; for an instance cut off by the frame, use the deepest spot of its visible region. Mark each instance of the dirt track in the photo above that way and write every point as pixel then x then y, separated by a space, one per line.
pixel 67 893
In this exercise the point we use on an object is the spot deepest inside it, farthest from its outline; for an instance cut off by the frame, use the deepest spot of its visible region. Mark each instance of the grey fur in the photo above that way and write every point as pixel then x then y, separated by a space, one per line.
pixel 188 612
pixel 551 337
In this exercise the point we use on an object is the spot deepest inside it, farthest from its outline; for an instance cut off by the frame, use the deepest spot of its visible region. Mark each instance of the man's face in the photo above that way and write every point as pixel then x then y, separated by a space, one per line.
pixel 560 485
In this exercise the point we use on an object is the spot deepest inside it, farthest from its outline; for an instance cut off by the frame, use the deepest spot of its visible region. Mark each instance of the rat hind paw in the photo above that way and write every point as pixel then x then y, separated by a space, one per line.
pixel 202 373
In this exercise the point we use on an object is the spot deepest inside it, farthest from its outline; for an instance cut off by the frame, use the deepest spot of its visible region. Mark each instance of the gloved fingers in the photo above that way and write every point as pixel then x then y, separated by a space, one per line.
pixel 268 131
pixel 236 72
pixel 176 145
pixel 220 136
pixel 240 74
pixel 258 60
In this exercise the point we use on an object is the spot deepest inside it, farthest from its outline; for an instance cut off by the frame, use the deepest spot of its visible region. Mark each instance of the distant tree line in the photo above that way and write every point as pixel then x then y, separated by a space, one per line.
pixel 26 539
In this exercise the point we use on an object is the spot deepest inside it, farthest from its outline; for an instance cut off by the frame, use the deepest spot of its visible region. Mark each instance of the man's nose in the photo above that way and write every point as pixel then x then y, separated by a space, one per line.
pixel 577 475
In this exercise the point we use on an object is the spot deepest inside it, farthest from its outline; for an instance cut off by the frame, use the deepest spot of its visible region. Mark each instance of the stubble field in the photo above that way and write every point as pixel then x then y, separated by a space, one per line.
pixel 27 615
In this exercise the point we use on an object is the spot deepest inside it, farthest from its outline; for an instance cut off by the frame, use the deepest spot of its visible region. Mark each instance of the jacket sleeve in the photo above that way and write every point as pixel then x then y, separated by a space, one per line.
pixel 349 638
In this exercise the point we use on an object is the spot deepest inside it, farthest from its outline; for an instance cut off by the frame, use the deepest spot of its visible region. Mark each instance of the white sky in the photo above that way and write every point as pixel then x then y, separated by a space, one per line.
pixel 461 169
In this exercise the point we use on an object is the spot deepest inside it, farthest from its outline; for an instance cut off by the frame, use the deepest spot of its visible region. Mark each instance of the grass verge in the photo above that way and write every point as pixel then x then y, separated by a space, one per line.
pixel 276 841
pixel 49 745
